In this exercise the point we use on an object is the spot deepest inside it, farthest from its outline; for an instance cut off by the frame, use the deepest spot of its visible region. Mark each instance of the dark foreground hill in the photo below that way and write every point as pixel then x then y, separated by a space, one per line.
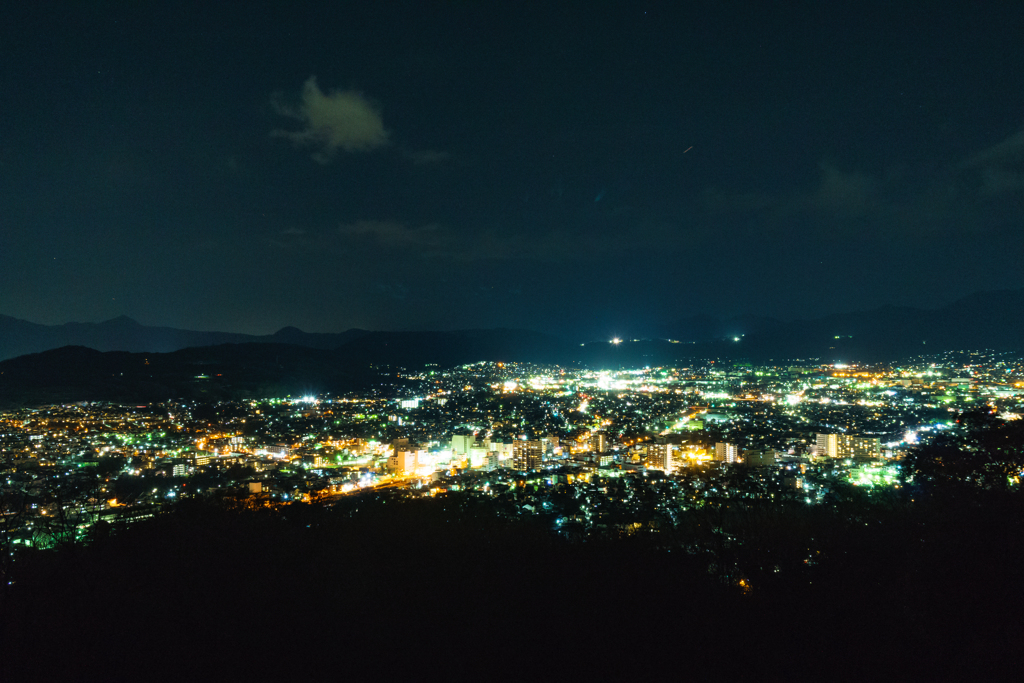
pixel 383 588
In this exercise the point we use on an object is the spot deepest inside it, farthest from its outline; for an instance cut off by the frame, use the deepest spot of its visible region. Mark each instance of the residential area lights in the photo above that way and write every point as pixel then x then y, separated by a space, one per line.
pixel 792 428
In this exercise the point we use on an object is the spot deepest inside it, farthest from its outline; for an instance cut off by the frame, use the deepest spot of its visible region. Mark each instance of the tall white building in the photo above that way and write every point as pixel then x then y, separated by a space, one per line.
pixel 828 445
pixel 727 452
pixel 461 443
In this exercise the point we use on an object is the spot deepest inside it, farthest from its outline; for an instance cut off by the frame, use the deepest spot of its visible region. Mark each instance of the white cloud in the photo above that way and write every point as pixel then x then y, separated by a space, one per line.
pixel 339 119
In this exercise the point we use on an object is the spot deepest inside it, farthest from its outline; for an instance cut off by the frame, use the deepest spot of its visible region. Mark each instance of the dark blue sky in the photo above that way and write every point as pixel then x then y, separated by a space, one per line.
pixel 584 168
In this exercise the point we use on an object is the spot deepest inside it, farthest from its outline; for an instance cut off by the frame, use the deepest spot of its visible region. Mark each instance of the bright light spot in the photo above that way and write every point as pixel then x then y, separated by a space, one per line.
pixel 616 341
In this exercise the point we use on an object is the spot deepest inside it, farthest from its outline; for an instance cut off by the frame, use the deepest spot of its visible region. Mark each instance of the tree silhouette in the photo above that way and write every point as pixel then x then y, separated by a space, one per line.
pixel 983 452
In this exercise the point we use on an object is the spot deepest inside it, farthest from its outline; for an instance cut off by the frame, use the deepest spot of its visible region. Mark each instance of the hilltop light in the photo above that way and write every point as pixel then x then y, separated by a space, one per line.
pixel 616 340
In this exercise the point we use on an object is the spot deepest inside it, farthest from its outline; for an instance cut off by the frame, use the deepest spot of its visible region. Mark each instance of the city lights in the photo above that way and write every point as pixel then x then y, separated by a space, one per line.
pixel 794 426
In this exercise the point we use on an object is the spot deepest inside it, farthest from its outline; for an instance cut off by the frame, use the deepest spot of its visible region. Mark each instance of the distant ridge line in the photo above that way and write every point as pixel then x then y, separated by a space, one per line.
pixel 980 320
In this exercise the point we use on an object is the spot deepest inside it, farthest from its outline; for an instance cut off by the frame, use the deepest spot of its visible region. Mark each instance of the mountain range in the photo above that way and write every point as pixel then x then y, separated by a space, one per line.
pixel 122 360
pixel 983 320
pixel 19 337
pixel 254 369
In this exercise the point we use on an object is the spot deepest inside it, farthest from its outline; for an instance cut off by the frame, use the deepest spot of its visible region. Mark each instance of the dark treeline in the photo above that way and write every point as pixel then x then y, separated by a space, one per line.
pixel 915 582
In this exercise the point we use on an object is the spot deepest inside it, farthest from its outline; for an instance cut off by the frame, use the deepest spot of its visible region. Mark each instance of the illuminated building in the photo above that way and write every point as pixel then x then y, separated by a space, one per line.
pixel 492 461
pixel 469 447
pixel 599 442
pixel 526 454
pixel 504 449
pixel 461 445
pixel 478 455
pixel 848 446
pixel 727 452
pixel 404 461
pixel 827 445
pixel 659 456
pixel 859 447
pixel 279 450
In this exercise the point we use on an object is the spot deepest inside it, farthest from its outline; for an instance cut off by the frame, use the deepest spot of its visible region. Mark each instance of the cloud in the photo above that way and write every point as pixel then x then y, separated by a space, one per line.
pixel 396 235
pixel 1008 151
pixel 338 120
pixel 838 194
pixel 845 193
pixel 1000 180
pixel 1001 166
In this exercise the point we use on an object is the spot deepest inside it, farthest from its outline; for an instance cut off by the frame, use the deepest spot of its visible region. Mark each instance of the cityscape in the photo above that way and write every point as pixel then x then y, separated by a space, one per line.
pixel 547 440
pixel 569 341
pixel 706 461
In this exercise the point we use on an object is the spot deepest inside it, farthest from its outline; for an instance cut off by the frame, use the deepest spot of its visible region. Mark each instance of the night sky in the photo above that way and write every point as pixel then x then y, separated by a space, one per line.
pixel 591 168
